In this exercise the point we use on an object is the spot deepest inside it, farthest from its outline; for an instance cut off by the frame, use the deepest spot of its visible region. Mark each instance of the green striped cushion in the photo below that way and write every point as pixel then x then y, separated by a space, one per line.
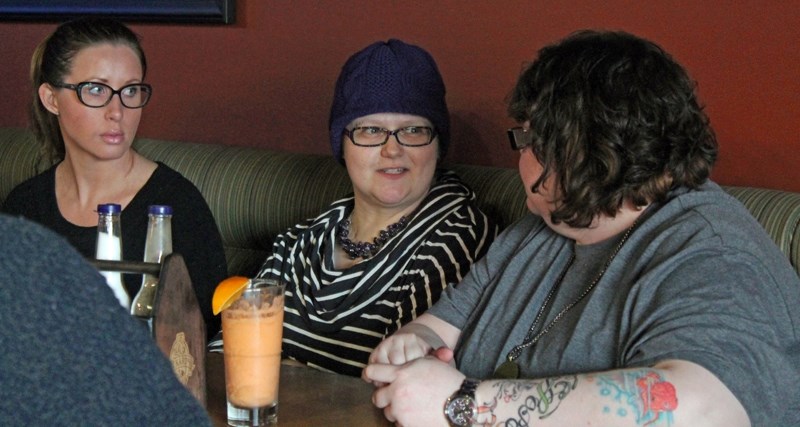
pixel 253 193
pixel 256 193
pixel 499 191
pixel 19 154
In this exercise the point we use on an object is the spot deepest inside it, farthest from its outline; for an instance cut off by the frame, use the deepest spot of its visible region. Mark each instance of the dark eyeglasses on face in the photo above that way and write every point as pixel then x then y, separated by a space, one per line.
pixel 373 136
pixel 96 95
pixel 519 137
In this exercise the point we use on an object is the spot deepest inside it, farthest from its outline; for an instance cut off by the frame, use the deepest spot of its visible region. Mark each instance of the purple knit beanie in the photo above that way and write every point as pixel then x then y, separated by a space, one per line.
pixel 389 77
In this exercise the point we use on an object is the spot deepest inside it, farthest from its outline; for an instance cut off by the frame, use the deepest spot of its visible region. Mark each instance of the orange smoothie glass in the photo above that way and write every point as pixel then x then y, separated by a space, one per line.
pixel 252 328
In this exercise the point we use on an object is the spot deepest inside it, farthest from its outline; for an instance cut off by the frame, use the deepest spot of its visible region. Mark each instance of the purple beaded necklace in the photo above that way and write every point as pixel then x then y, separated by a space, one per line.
pixel 367 250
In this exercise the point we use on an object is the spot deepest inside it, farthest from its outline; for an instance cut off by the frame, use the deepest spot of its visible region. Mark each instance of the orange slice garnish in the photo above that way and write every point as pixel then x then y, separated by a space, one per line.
pixel 227 292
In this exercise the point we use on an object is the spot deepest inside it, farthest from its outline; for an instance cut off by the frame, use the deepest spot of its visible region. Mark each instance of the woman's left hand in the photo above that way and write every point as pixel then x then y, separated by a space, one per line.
pixel 415 393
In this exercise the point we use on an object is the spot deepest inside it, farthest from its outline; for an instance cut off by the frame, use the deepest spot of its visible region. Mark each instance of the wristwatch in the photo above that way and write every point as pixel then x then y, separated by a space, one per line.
pixel 460 409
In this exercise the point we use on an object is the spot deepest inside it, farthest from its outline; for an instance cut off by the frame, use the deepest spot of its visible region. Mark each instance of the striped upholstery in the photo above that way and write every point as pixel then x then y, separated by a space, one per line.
pixel 18 157
pixel 257 193
pixel 254 194
pixel 499 191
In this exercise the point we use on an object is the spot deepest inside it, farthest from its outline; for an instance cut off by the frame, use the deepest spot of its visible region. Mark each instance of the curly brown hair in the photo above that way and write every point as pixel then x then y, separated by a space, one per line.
pixel 613 118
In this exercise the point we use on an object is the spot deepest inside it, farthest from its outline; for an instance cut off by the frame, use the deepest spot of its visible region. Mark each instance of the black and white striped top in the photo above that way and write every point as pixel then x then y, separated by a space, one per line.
pixel 334 318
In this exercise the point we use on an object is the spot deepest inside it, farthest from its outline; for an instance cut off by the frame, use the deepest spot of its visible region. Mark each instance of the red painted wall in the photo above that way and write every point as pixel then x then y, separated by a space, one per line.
pixel 267 80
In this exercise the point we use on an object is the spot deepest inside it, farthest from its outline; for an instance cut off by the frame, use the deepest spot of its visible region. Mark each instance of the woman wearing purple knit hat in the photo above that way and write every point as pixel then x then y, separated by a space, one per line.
pixel 376 260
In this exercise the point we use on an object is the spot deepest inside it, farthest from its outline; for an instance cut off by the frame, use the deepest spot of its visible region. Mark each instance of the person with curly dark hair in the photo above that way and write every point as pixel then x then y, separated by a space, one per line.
pixel 639 292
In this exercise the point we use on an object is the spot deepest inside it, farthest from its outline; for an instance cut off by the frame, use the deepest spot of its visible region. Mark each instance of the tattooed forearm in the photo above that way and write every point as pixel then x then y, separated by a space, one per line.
pixel 642 394
pixel 538 398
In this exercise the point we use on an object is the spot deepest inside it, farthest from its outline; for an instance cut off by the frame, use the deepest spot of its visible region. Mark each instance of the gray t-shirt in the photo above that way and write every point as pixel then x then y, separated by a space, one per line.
pixel 698 280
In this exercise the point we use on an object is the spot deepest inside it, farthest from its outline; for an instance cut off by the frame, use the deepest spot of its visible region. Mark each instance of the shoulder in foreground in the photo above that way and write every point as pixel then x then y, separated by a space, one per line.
pixel 27 230
pixel 710 218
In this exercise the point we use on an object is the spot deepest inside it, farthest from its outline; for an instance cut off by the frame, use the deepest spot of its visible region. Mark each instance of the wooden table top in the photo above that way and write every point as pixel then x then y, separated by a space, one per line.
pixel 307 397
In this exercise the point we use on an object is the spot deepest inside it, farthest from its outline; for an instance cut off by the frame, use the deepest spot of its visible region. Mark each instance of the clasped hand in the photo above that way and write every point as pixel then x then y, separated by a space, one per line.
pixel 412 380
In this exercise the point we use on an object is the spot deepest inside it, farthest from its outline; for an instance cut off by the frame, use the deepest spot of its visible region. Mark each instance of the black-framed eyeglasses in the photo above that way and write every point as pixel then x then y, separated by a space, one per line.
pixel 96 95
pixel 520 138
pixel 373 136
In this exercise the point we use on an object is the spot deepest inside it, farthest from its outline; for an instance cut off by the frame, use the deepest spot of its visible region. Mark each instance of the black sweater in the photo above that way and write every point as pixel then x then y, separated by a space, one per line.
pixel 194 232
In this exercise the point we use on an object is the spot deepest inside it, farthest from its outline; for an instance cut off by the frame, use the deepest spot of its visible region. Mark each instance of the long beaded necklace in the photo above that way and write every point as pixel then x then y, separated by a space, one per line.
pixel 510 369
pixel 365 249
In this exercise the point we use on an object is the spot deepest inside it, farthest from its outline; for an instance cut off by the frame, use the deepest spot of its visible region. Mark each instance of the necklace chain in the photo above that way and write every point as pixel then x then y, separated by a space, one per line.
pixel 366 249
pixel 530 338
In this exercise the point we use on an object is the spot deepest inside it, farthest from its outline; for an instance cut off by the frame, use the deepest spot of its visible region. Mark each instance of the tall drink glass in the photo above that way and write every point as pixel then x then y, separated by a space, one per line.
pixel 252 328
